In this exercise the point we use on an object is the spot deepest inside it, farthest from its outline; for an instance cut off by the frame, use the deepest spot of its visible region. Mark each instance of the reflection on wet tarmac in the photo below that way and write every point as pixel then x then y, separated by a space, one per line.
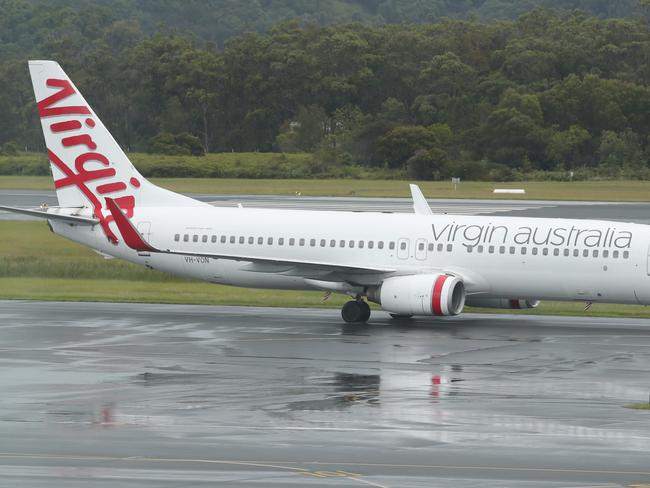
pixel 123 381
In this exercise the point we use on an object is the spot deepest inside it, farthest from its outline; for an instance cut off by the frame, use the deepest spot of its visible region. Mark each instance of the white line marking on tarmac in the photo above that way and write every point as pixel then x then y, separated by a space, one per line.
pixel 277 465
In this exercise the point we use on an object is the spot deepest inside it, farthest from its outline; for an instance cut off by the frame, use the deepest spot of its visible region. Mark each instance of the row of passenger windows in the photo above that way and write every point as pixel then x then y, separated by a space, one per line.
pixel 281 241
pixel 546 251
pixel 292 241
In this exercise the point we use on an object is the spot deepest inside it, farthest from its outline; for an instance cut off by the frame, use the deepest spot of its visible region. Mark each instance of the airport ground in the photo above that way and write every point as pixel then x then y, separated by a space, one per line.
pixel 136 395
pixel 595 190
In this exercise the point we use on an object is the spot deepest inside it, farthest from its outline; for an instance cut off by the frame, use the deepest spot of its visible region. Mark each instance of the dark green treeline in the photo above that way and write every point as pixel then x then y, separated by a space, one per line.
pixel 548 91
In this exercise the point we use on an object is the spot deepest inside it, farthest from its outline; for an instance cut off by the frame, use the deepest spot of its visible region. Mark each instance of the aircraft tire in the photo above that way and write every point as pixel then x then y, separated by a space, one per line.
pixel 355 311
pixel 398 316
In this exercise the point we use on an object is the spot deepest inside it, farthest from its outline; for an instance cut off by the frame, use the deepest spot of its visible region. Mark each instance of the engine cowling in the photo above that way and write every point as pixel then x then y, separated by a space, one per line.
pixel 503 303
pixel 437 294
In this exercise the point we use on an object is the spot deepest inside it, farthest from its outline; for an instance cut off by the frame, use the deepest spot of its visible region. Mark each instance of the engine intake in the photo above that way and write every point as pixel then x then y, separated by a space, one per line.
pixel 437 294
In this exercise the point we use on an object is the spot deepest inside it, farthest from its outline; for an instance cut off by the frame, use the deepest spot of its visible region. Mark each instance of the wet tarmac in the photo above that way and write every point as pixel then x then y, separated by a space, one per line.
pixel 129 395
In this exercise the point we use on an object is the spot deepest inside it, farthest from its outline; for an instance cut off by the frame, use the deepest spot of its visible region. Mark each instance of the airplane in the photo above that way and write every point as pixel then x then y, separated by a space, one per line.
pixel 418 264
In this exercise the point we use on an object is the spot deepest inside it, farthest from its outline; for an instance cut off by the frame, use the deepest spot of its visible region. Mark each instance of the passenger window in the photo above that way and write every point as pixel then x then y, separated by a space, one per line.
pixel 251 240
pixel 502 249
pixel 402 246
pixel 360 244
pixel 177 237
pixel 585 253
pixel 260 241
pixel 595 253
pixel 391 246
pixel 512 249
pixel 469 248
pixel 534 251
pixel 421 246
pixel 301 242
pixel 186 238
pixel 556 252
pixel 195 238
pixel 440 247
pixel 332 243
pixel 380 245
pixel 292 241
pixel 576 253
pixel 626 254
pixel 491 249
pixel 566 252
pixel 351 244
pixel 214 238
pixel 242 239
pixel 450 247
pixel 523 250
pixel 205 238
pixel 281 241
pixel 312 242
pixel 431 247
pixel 545 251
pixel 605 254
pixel 269 241
pixel 323 243
pixel 615 254
pixel 342 243
pixel 480 248
pixel 371 244
pixel 223 239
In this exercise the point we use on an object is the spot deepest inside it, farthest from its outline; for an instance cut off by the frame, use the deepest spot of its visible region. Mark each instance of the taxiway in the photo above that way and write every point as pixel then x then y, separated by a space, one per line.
pixel 97 395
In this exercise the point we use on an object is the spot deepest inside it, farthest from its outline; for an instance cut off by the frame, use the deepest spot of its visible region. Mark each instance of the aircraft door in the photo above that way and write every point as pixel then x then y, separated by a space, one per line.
pixel 421 249
pixel 403 248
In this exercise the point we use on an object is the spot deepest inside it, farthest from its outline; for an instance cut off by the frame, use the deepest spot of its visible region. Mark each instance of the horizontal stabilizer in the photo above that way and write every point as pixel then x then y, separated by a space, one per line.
pixel 45 214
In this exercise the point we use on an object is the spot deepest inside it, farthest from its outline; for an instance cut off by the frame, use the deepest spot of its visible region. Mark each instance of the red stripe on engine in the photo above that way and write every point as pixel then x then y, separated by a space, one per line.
pixel 436 305
pixel 514 304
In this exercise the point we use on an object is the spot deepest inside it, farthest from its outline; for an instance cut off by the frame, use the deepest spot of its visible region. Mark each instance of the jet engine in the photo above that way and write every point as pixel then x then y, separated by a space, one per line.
pixel 437 294
pixel 507 303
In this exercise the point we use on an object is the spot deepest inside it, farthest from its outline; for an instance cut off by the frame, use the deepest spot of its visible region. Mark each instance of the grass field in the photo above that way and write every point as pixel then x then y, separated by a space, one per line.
pixel 624 191
pixel 638 406
pixel 38 265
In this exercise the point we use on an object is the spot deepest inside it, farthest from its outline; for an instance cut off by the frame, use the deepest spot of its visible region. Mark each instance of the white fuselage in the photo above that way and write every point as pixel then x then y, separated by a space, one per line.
pixel 556 259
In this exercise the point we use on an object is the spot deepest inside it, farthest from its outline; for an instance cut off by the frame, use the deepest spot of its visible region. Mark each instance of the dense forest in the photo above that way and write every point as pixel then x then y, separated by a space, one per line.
pixel 550 90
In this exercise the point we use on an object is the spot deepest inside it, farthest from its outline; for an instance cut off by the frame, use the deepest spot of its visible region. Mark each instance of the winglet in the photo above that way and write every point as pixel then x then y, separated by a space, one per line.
pixel 420 205
pixel 131 236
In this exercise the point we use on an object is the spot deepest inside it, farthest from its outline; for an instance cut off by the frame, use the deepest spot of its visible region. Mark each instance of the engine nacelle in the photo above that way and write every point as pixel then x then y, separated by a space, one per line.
pixel 505 303
pixel 421 295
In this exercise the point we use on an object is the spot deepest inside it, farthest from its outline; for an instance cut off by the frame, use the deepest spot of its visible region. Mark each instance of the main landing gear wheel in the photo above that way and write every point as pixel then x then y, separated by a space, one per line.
pixel 398 316
pixel 355 311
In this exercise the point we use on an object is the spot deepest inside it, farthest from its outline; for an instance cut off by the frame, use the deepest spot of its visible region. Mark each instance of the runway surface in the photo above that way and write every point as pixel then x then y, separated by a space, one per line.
pixel 630 212
pixel 105 395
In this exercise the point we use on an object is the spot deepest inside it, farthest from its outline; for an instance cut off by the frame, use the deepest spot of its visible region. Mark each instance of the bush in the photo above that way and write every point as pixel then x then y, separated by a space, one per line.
pixel 9 149
pixel 176 144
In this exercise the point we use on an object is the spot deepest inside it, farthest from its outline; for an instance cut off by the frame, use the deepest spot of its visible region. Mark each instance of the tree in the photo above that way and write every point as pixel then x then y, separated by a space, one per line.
pixel 567 149
pixel 402 142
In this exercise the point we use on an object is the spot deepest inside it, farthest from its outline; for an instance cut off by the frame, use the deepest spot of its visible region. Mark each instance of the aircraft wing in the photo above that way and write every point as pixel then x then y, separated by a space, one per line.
pixel 44 214
pixel 135 241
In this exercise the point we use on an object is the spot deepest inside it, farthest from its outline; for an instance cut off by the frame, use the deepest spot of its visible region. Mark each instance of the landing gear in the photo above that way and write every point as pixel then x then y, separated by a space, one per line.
pixel 398 316
pixel 355 311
